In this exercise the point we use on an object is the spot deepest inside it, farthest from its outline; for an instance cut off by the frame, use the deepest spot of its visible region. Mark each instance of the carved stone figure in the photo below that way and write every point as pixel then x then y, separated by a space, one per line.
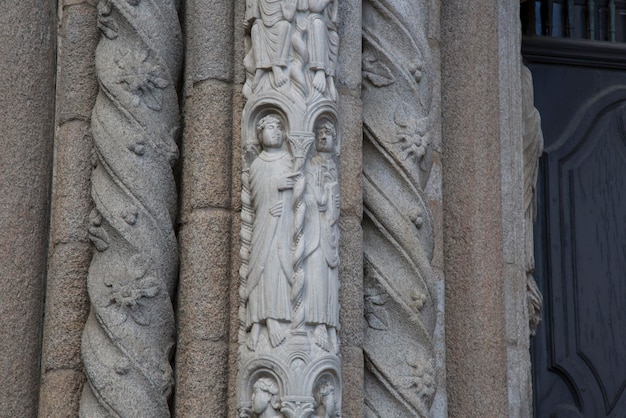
pixel 322 232
pixel 325 401
pixel 289 285
pixel 533 148
pixel 129 335
pixel 265 399
pixel 323 43
pixel 271 181
pixel 270 22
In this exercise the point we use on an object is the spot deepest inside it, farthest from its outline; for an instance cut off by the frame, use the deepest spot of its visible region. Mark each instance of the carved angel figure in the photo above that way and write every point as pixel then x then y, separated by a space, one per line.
pixel 322 235
pixel 270 271
pixel 270 22
pixel 265 400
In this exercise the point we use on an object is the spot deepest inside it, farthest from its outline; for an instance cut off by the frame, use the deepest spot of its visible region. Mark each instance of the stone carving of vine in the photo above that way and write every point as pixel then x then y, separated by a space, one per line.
pixel 400 377
pixel 130 332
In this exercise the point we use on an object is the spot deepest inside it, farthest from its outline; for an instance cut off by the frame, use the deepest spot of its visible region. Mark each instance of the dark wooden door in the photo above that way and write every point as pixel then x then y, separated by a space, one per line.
pixel 579 353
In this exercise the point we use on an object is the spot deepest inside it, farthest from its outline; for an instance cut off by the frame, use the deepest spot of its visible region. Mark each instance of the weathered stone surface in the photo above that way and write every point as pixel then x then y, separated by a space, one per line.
pixel 77 86
pixel 351 128
pixel 204 315
pixel 27 42
pixel 71 200
pixel 60 393
pixel 475 324
pixel 209 35
pixel 203 291
pixel 352 371
pixel 349 63
pixel 130 332
pixel 207 147
pixel 201 383
pixel 67 306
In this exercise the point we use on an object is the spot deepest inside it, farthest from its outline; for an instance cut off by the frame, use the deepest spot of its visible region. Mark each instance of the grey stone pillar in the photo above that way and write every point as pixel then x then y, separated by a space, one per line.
pixel 27 68
pixel 472 197
pixel 206 211
pixel 351 238
pixel 67 304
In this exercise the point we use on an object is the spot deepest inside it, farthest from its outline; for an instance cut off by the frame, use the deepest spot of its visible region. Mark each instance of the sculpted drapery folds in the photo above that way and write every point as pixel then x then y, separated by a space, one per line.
pixel 129 335
pixel 533 148
pixel 270 263
pixel 289 284
pixel 398 117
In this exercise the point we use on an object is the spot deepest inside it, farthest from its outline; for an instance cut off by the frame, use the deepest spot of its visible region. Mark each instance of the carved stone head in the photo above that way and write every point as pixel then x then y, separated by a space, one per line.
pixel 325 400
pixel 271 132
pixel 325 136
pixel 265 400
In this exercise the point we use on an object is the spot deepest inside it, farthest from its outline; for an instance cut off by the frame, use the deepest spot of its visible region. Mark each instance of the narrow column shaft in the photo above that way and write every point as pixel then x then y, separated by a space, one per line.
pixel 205 231
pixel 475 322
pixel 27 68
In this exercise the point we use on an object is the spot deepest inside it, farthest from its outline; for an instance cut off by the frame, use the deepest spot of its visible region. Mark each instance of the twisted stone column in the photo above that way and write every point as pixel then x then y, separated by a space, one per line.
pixel 129 334
pixel 400 311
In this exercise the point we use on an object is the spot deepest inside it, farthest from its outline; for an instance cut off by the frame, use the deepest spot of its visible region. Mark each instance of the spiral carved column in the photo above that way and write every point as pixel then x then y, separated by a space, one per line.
pixel 400 309
pixel 129 335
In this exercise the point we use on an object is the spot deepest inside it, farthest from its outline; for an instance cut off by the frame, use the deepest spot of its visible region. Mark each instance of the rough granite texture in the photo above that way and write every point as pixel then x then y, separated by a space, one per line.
pixel 475 320
pixel 205 233
pixel 351 238
pixel 67 304
pixel 27 68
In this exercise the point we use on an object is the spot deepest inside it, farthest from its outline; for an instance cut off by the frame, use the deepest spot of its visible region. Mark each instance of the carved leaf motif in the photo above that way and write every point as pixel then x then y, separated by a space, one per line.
pixel 106 23
pixel 375 315
pixel 375 71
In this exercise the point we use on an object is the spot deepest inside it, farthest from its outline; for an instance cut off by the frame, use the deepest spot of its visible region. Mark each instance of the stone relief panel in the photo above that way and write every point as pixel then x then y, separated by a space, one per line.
pixel 129 335
pixel 399 118
pixel 533 148
pixel 289 282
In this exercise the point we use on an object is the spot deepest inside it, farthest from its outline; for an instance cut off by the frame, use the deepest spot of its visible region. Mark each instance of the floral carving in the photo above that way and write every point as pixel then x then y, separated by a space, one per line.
pixel 141 78
pixel 130 332
pixel 419 376
pixel 412 134
pixel 128 292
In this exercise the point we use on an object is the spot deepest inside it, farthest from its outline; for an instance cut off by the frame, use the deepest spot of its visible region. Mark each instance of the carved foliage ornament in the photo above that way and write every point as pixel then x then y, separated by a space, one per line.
pixel 398 116
pixel 289 307
pixel 129 335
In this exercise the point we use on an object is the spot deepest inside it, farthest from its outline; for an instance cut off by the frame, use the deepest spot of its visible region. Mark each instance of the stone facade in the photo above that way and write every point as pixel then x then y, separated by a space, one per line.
pixel 128 282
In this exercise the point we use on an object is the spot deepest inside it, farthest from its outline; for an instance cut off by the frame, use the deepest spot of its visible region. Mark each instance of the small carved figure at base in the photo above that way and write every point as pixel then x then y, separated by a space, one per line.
pixel 265 399
pixel 325 401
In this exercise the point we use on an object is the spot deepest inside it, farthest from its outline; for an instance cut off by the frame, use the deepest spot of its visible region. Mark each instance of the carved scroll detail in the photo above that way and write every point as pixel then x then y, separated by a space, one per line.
pixel 129 335
pixel 533 148
pixel 289 284
pixel 398 225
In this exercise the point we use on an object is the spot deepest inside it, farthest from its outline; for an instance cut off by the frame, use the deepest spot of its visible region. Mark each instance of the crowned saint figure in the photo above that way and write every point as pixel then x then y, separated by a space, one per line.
pixel 270 269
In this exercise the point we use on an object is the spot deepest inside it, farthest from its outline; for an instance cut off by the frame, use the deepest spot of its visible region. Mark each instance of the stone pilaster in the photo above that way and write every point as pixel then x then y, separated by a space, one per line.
pixel 473 222
pixel 27 68
pixel 206 212
pixel 67 304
